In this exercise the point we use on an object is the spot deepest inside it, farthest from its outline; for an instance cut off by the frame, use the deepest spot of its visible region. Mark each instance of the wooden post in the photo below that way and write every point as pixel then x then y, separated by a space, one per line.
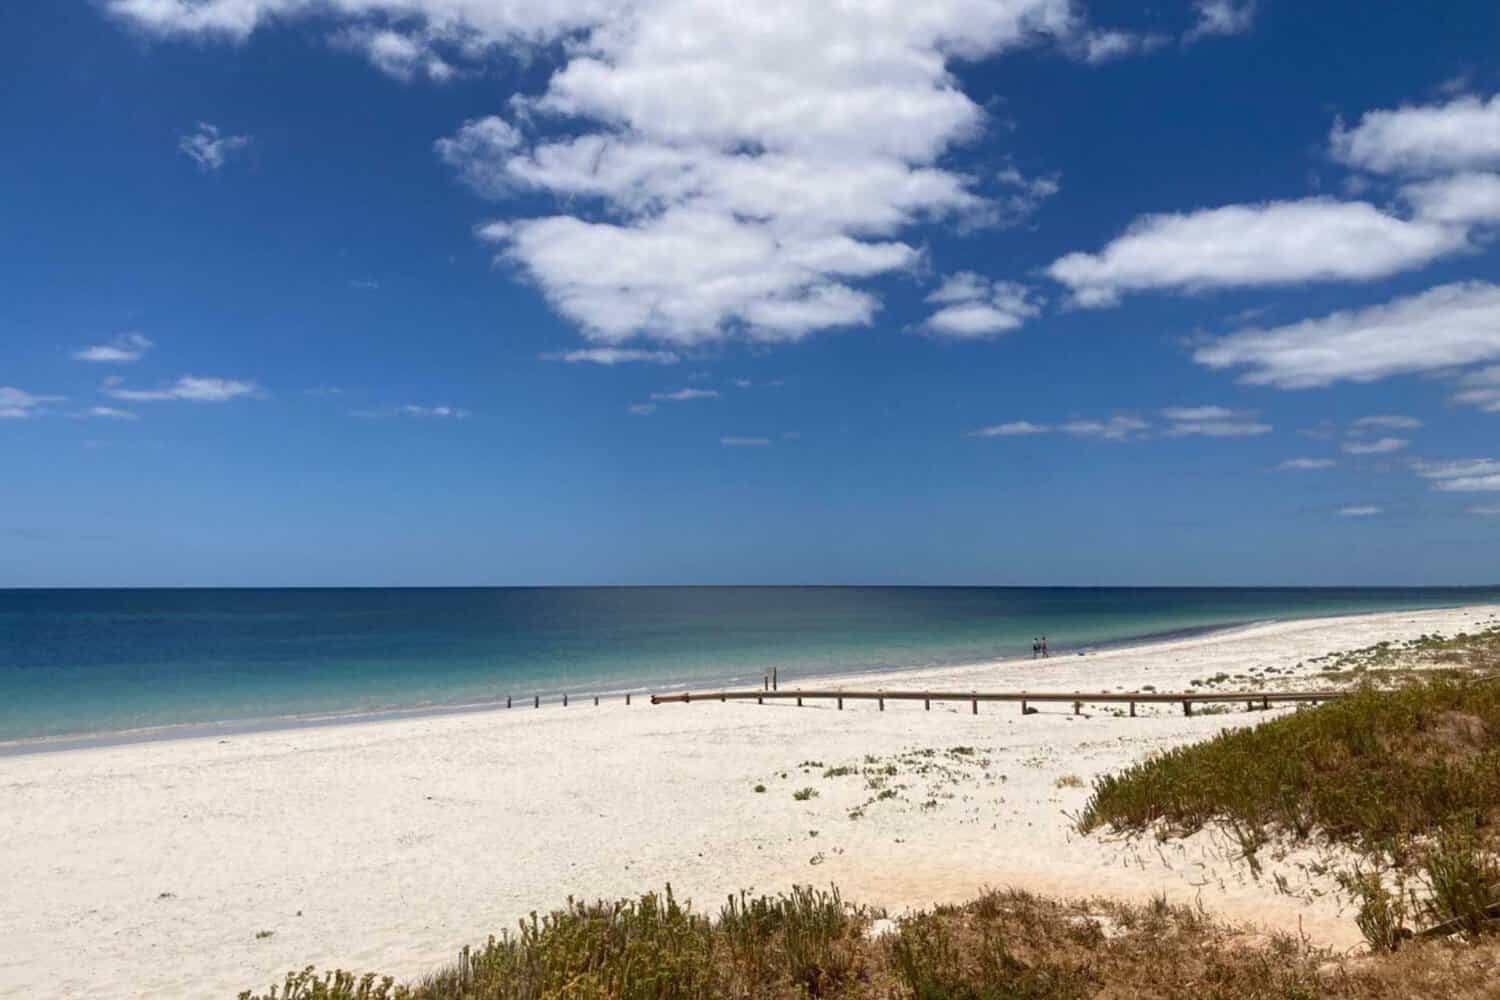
pixel 1023 706
pixel 974 703
pixel 565 700
pixel 596 701
pixel 759 700
pixel 627 698
pixel 882 701
pixel 687 697
pixel 927 704
pixel 1077 708
pixel 799 701
pixel 1265 704
pixel 536 701
pixel 507 701
pixel 1250 706
pixel 766 682
pixel 1132 709
pixel 773 680
pixel 1187 708
pixel 841 703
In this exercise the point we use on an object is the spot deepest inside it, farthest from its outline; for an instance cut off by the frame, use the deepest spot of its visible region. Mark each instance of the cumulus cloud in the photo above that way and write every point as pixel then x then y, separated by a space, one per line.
pixel 122 349
pixel 613 356
pixel 975 307
pixel 192 388
pixel 478 152
pixel 1212 421
pixel 403 55
pixel 1305 464
pixel 1459 199
pixel 1469 475
pixel 1442 328
pixel 17 404
pixel 1221 17
pixel 1273 243
pixel 209 148
pixel 1462 134
pixel 1379 446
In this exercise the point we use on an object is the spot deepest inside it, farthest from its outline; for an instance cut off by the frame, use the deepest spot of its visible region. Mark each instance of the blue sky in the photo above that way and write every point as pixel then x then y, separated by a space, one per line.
pixel 974 291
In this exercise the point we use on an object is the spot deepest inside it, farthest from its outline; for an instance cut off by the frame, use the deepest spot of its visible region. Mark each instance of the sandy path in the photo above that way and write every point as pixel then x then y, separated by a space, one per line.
pixel 147 870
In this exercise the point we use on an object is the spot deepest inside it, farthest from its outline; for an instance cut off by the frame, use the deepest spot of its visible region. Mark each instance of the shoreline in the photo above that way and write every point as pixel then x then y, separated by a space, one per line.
pixel 157 869
pixel 86 740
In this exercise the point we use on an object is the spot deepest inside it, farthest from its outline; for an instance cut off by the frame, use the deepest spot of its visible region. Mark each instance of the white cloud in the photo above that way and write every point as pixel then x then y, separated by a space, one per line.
pixel 17 404
pixel 1480 388
pixel 1273 243
pixel 1485 511
pixel 413 410
pixel 108 413
pixel 122 349
pixel 1388 421
pixel 1106 45
pixel 613 356
pixel 1221 17
pixel 1117 428
pixel 976 307
pixel 744 442
pixel 1305 464
pixel 1212 421
pixel 1361 511
pixel 1017 428
pixel 209 148
pixel 1470 475
pixel 641 409
pixel 1380 446
pixel 479 150
pixel 1463 134
pixel 682 395
pixel 1458 199
pixel 404 56
pixel 189 387
pixel 1442 328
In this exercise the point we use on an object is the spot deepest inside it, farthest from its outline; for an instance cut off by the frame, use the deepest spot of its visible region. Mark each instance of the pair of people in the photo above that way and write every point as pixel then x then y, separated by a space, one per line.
pixel 1038 647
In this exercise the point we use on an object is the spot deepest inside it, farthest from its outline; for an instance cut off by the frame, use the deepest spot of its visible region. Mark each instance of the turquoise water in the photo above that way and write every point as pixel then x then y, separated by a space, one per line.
pixel 90 662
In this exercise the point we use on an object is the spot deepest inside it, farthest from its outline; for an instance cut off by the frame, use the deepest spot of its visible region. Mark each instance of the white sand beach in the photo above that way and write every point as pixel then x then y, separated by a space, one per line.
pixel 150 869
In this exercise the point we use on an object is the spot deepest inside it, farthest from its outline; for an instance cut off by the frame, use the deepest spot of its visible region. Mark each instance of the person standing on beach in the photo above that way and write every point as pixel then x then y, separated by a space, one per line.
pixel 1044 647
pixel 1036 647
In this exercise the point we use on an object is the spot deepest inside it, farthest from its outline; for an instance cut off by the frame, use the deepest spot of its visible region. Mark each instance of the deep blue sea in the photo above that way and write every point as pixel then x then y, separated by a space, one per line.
pixel 110 661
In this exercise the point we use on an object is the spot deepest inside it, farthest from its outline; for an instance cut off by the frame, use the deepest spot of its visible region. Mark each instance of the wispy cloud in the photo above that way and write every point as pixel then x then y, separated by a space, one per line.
pixel 1394 422
pixel 108 413
pixel 17 404
pixel 614 356
pixel 413 410
pixel 1016 428
pixel 1304 464
pixel 364 284
pixel 1221 17
pixel 1120 427
pixel 1491 511
pixel 744 442
pixel 641 409
pixel 1468 475
pixel 210 148
pixel 1361 510
pixel 122 349
pixel 1212 421
pixel 192 388
pixel 682 395
pixel 1380 446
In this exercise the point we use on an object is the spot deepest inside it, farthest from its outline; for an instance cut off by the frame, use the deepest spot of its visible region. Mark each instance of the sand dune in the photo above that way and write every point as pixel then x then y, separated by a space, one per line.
pixel 149 869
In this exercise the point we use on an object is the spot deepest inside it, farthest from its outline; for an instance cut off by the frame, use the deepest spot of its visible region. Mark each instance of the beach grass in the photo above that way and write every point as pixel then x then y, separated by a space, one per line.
pixel 1002 945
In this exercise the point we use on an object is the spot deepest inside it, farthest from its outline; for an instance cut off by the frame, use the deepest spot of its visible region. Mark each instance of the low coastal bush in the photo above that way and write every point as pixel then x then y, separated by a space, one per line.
pixel 1003 945
pixel 1409 778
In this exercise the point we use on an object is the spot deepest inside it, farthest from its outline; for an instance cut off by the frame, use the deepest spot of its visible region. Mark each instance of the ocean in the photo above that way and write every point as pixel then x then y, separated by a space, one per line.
pixel 91 662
